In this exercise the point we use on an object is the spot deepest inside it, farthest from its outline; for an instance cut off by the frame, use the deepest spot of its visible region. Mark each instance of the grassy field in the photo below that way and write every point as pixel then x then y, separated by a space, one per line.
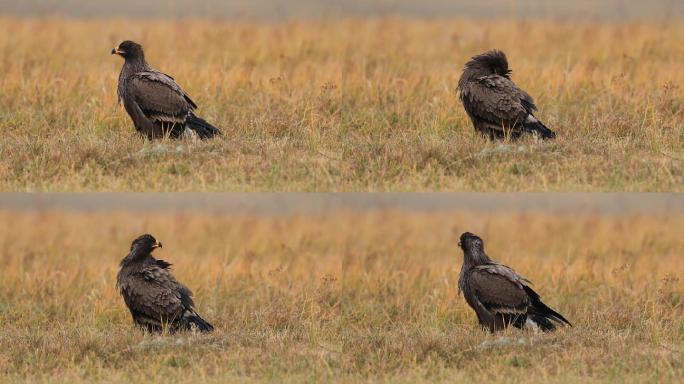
pixel 342 105
pixel 342 297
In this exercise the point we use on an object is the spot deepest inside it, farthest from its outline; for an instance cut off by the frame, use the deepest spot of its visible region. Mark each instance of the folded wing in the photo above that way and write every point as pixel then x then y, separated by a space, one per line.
pixel 501 293
pixel 495 102
pixel 160 98
pixel 154 297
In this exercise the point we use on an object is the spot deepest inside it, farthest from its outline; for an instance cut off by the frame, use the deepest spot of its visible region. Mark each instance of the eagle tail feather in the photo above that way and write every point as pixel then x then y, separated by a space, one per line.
pixel 535 126
pixel 542 322
pixel 194 321
pixel 201 127
pixel 541 314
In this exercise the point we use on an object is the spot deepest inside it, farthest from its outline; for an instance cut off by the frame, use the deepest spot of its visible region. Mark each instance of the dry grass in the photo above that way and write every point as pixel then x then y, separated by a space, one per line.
pixel 345 297
pixel 342 105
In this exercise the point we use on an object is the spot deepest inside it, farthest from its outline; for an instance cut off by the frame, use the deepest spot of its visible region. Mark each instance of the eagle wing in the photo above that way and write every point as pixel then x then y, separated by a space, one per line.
pixel 499 289
pixel 497 101
pixel 153 295
pixel 159 97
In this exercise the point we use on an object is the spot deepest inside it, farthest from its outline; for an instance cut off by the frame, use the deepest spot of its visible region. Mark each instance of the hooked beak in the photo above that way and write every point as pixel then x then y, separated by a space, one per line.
pixel 117 51
pixel 459 244
pixel 158 244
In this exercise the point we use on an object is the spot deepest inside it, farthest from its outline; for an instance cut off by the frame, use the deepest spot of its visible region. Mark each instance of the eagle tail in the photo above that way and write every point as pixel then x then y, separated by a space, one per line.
pixel 541 314
pixel 193 321
pixel 535 126
pixel 201 127
pixel 542 322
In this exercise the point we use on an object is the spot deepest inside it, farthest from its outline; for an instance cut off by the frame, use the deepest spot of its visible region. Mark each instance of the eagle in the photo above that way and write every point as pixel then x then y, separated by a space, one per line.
pixel 499 296
pixel 156 300
pixel 495 105
pixel 157 105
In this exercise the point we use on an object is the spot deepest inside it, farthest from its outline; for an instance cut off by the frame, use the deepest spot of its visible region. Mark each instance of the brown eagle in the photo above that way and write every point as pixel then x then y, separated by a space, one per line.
pixel 157 105
pixel 495 105
pixel 157 301
pixel 498 295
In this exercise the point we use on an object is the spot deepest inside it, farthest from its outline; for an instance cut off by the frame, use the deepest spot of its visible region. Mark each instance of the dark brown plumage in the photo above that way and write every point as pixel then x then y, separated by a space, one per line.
pixel 498 295
pixel 495 105
pixel 156 104
pixel 157 301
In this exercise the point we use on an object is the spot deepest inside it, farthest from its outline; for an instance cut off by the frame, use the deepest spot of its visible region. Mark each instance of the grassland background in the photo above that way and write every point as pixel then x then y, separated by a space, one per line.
pixel 342 296
pixel 342 105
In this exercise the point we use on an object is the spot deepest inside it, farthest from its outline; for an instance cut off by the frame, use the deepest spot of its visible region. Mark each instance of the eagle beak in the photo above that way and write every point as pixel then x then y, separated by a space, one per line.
pixel 117 51
pixel 459 245
pixel 157 245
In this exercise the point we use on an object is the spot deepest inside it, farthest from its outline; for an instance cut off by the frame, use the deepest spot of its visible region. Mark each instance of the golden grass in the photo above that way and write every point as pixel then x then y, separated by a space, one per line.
pixel 342 297
pixel 342 105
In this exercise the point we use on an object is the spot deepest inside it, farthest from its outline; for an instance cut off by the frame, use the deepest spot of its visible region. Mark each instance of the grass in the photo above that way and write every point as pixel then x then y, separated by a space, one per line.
pixel 345 297
pixel 342 105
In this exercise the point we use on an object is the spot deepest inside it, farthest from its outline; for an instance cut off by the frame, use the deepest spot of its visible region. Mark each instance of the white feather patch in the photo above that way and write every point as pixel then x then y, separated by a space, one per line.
pixel 530 324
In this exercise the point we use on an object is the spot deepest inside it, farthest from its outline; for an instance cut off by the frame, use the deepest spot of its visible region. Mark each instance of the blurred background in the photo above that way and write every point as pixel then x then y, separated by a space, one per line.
pixel 611 204
pixel 306 9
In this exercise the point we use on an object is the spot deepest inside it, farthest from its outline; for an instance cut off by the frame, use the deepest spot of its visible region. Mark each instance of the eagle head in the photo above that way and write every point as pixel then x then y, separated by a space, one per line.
pixel 145 244
pixel 471 244
pixel 128 49
pixel 492 62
